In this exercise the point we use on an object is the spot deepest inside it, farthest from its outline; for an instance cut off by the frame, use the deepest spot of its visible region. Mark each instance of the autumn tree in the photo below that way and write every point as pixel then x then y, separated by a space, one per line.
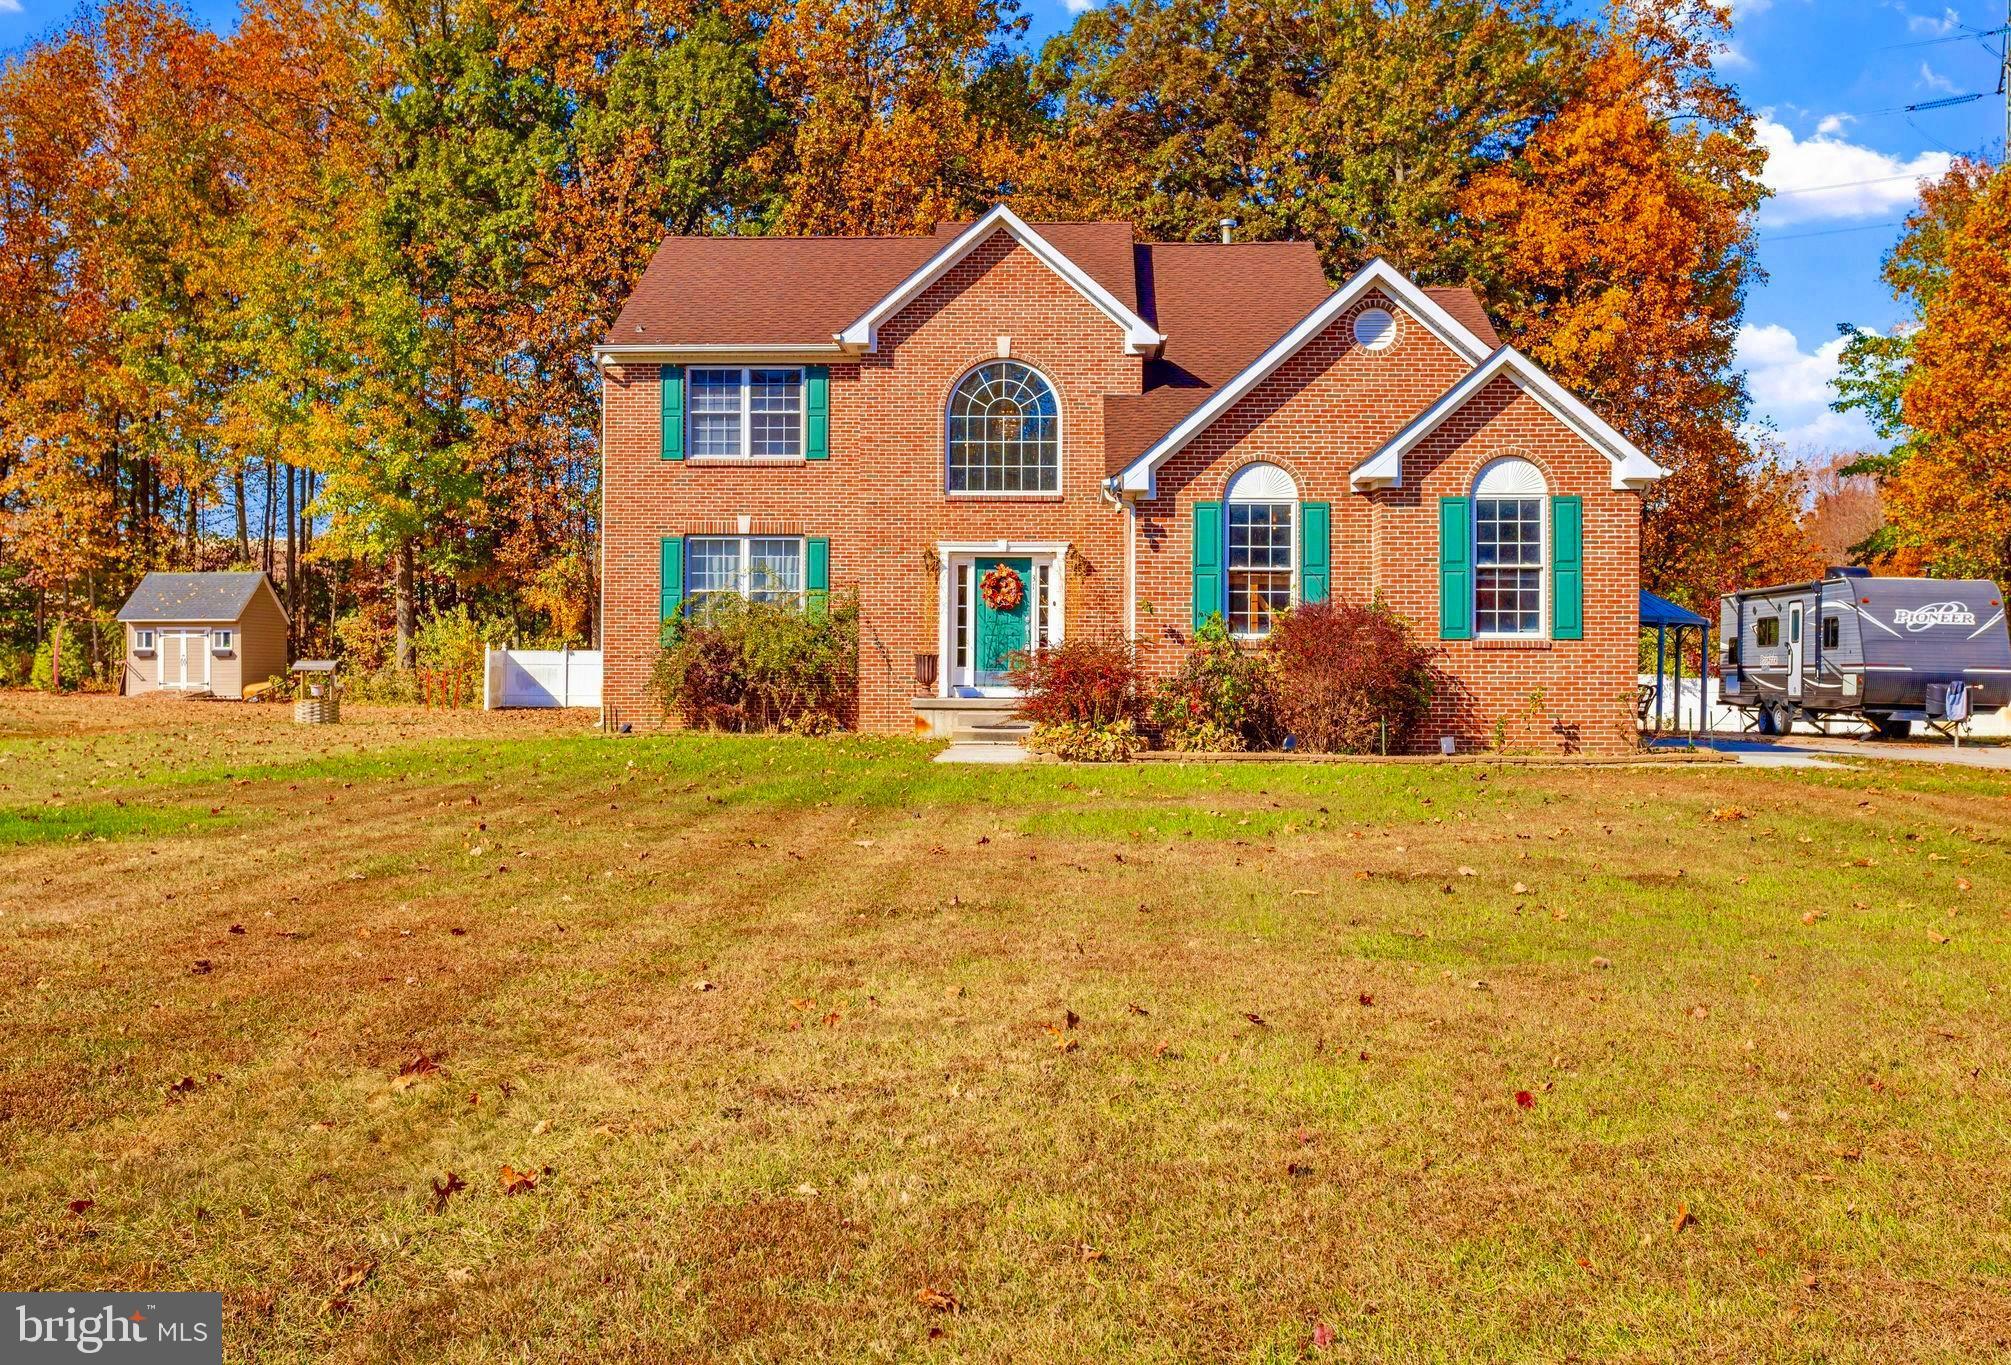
pixel 1354 126
pixel 1616 250
pixel 1937 389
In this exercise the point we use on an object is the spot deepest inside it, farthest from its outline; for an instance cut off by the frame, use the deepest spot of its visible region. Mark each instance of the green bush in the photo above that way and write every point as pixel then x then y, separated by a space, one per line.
pixel 1222 698
pixel 743 665
pixel 42 675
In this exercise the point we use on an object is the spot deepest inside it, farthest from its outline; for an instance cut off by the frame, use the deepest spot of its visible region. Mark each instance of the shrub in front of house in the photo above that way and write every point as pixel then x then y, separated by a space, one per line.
pixel 1083 698
pixel 1349 677
pixel 1222 699
pixel 741 665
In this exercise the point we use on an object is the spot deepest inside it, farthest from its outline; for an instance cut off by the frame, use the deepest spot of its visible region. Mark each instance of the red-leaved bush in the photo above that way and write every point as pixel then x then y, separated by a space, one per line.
pixel 1350 679
pixel 1080 682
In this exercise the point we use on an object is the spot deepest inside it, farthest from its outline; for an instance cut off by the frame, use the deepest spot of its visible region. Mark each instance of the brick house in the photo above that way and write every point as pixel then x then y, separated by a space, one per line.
pixel 1143 433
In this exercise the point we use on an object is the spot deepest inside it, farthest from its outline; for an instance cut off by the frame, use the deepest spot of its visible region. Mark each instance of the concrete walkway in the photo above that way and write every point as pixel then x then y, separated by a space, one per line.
pixel 1826 751
pixel 986 751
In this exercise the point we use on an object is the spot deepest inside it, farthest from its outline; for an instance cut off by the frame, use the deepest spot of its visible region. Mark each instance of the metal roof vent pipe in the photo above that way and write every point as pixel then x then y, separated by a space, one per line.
pixel 1227 225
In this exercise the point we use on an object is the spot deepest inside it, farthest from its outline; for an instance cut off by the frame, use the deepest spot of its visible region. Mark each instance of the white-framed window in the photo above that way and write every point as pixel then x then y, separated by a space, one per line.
pixel 745 413
pixel 761 568
pixel 1004 431
pixel 1260 520
pixel 1510 519
pixel 143 639
pixel 222 640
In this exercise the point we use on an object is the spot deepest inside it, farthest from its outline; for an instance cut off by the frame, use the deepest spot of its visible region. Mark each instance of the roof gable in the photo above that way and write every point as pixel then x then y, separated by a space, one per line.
pixel 1140 336
pixel 1378 275
pixel 1631 468
pixel 195 597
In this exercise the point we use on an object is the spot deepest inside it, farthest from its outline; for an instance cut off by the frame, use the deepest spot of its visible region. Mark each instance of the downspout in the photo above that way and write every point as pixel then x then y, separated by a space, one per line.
pixel 1130 511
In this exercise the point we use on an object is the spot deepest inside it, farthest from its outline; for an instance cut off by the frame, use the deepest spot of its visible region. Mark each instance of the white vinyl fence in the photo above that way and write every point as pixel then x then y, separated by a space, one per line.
pixel 541 677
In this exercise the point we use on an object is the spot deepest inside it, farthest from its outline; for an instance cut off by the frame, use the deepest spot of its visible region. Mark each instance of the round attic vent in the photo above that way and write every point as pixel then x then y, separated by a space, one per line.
pixel 1375 329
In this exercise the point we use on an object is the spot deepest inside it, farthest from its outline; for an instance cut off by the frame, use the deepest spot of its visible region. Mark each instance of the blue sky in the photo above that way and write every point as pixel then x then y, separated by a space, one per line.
pixel 1829 79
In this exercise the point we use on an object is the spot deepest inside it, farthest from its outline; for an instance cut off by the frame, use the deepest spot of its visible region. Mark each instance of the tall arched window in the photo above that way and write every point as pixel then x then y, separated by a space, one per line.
pixel 1004 431
pixel 1508 548
pixel 1261 516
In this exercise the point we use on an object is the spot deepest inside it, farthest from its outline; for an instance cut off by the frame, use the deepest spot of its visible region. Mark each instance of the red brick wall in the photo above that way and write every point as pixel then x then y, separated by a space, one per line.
pixel 880 496
pixel 880 499
pixel 1331 407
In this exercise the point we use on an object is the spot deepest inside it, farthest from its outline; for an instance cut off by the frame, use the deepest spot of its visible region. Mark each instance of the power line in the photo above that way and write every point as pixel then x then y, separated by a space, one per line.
pixel 1853 184
pixel 1829 232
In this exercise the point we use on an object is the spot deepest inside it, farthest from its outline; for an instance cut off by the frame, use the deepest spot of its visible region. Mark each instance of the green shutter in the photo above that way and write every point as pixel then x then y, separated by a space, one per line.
pixel 817 411
pixel 1316 555
pixel 1455 569
pixel 672 383
pixel 817 572
pixel 1567 574
pixel 1207 561
pixel 671 578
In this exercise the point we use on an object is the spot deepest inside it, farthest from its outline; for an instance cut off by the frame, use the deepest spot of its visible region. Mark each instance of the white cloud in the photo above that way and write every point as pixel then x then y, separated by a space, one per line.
pixel 10 6
pixel 1745 9
pixel 1825 176
pixel 1080 6
pixel 1935 81
pixel 1832 124
pixel 1791 392
pixel 1927 26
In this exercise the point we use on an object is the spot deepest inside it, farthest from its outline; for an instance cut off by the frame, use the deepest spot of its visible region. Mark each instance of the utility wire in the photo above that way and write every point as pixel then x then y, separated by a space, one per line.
pixel 1828 232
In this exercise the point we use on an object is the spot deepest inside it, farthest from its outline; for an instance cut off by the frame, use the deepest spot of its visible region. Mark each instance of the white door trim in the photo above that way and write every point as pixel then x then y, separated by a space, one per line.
pixel 953 554
pixel 1797 644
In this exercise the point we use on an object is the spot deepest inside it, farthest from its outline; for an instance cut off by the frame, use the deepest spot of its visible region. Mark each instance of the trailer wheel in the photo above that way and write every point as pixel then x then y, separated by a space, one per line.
pixel 1769 720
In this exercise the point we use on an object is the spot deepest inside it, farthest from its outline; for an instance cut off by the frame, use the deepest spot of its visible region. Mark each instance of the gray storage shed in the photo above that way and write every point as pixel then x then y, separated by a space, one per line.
pixel 203 632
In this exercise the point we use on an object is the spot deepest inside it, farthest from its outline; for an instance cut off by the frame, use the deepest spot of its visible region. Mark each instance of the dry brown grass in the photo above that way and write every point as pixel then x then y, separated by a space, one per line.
pixel 871 1102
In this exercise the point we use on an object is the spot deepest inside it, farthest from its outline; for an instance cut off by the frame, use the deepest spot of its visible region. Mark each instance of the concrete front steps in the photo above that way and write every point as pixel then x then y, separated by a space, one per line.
pixel 980 729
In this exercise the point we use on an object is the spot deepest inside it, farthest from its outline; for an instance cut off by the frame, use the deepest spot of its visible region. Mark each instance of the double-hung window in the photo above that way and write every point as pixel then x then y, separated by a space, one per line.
pixel 1261 518
pixel 751 413
pixel 1508 559
pixel 760 568
pixel 222 640
pixel 143 639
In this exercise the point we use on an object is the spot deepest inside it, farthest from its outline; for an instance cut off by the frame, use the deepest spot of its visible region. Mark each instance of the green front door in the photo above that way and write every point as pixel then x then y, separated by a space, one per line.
pixel 1001 634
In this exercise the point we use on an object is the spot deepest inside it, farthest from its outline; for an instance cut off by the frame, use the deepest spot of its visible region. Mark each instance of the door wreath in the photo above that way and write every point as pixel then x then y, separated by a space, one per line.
pixel 1001 588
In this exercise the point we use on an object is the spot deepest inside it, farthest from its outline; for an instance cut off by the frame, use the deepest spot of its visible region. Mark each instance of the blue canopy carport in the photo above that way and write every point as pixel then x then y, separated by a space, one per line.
pixel 1664 616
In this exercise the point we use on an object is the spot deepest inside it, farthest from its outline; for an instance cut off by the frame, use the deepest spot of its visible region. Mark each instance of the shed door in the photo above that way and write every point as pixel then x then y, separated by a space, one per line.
pixel 1795 650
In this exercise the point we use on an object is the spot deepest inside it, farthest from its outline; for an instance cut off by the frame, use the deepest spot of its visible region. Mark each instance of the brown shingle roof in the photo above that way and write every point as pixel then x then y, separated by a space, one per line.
pixel 1464 304
pixel 1220 305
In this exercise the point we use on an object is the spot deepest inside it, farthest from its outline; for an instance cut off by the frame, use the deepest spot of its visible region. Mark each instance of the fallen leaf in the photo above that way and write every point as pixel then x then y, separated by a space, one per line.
pixel 80 1207
pixel 415 1069
pixel 703 986
pixel 202 966
pixel 1323 1336
pixel 1256 1019
pixel 941 1300
pixel 1937 937
pixel 1367 999
pixel 353 1276
pixel 516 1181
pixel 1521 890
pixel 1962 883
pixel 1700 1012
pixel 1684 1218
pixel 1069 1018
pixel 1138 1009
pixel 1089 1253
pixel 1810 917
pixel 1467 872
pixel 1062 1042
pixel 1601 964
pixel 1524 1100
pixel 1725 813
pixel 447 1189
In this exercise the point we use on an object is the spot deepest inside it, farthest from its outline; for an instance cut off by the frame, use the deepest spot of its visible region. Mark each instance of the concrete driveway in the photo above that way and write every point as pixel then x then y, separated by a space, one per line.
pixel 1825 751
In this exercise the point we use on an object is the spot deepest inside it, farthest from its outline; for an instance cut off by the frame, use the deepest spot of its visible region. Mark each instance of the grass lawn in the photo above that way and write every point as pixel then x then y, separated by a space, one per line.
pixel 812 1048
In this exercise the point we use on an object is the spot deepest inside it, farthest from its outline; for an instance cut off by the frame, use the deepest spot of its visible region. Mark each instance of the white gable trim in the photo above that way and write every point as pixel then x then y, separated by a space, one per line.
pixel 1138 476
pixel 1140 337
pixel 1631 468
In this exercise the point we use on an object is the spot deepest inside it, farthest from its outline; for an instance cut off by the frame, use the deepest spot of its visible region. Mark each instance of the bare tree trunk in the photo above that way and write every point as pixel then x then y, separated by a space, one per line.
pixel 292 565
pixel 270 506
pixel 189 528
pixel 243 516
pixel 401 599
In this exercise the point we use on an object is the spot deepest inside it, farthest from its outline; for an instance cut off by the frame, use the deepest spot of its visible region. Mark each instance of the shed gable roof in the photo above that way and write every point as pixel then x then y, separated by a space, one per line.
pixel 194 597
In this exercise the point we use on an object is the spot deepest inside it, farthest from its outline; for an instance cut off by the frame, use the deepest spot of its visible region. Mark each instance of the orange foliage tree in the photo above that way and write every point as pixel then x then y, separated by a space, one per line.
pixel 1618 249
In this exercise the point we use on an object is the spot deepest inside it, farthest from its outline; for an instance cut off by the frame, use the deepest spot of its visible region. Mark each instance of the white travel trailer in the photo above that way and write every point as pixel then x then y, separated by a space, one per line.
pixel 1885 651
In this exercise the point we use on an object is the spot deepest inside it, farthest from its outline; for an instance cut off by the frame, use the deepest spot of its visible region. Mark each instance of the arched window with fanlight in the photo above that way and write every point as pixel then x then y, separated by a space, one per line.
pixel 1004 432
pixel 1509 536
pixel 1261 516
